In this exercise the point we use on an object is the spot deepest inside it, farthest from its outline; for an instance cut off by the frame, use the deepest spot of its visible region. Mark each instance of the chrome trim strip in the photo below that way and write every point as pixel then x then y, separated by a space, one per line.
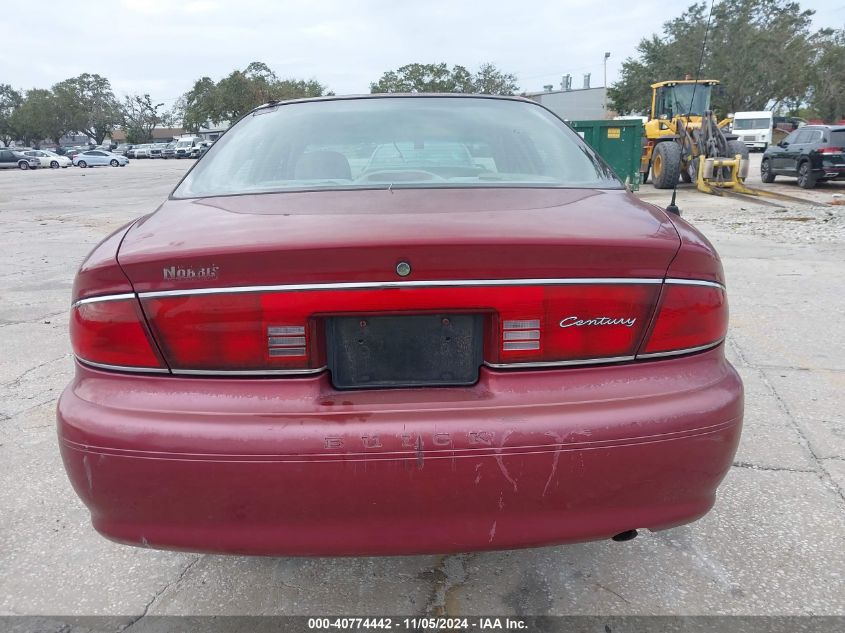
pixel 560 363
pixel 249 372
pixel 127 295
pixel 134 370
pixel 678 352
pixel 436 283
pixel 694 282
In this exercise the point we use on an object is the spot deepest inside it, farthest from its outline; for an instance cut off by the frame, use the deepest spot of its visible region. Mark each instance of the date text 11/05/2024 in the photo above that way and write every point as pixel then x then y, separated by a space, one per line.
pixel 416 624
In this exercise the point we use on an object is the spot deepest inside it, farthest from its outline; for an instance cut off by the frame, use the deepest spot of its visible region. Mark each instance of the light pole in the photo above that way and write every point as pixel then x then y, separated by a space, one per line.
pixel 606 55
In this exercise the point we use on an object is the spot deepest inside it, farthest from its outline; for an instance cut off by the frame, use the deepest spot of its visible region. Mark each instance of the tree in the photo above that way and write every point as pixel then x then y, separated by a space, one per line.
pixel 37 118
pixel 439 78
pixel 827 95
pixel 489 80
pixel 10 100
pixel 89 105
pixel 199 104
pixel 758 49
pixel 140 116
pixel 239 92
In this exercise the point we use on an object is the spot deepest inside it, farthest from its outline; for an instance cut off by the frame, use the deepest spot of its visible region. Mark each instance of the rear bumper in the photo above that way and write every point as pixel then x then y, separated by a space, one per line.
pixel 293 467
pixel 831 172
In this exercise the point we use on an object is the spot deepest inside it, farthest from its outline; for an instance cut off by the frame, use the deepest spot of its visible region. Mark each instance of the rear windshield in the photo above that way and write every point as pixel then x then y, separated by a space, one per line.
pixel 397 142
pixel 837 137
pixel 752 124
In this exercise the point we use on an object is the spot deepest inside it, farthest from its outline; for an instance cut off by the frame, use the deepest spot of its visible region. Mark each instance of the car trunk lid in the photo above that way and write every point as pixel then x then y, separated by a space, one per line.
pixel 291 283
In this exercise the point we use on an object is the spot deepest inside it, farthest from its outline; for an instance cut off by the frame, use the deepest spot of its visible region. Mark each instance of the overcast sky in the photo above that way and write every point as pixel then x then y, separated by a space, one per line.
pixel 161 47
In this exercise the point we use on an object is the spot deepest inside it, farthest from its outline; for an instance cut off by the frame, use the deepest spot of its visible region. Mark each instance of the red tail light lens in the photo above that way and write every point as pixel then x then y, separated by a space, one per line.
pixel 283 331
pixel 690 316
pixel 112 333
pixel 576 323
pixel 233 332
pixel 830 150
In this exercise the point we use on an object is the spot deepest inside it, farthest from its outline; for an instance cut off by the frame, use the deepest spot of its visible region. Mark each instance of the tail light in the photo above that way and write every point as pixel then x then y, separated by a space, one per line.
pixel 233 333
pixel 691 316
pixel 113 333
pixel 281 332
pixel 579 323
pixel 830 150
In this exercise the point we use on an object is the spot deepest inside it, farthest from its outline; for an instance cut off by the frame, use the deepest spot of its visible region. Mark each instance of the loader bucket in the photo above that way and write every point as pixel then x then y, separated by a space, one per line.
pixel 724 173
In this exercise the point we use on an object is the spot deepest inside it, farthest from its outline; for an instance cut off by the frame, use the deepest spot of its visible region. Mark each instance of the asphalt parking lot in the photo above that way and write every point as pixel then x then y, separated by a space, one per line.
pixel 771 546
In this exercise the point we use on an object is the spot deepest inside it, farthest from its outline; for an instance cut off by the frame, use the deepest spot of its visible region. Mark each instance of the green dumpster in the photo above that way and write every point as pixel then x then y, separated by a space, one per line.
pixel 619 142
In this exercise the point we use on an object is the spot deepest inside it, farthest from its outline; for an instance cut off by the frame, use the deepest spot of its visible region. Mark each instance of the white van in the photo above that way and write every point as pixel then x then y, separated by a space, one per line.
pixel 754 128
pixel 185 146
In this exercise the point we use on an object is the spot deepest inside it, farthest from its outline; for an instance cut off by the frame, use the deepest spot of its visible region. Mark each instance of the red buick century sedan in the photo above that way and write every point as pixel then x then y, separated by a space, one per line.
pixel 397 325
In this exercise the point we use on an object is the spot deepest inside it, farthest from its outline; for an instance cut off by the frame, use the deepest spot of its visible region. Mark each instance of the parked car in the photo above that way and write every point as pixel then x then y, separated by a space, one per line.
pixel 140 151
pixel 122 149
pixel 156 150
pixel 49 159
pixel 323 358
pixel 200 148
pixel 97 157
pixel 185 146
pixel 12 158
pixel 169 150
pixel 812 154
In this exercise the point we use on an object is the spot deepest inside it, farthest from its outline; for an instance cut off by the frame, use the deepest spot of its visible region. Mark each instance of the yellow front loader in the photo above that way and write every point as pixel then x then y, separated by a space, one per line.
pixel 684 140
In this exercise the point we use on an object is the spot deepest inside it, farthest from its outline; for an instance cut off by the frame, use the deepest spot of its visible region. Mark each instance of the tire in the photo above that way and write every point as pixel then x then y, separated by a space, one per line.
pixel 23 165
pixel 114 162
pixel 54 164
pixel 666 165
pixel 82 164
pixel 806 179
pixel 766 174
pixel 737 147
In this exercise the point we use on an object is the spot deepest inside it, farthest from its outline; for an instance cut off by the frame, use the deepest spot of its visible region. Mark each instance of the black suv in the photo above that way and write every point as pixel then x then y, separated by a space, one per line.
pixel 813 153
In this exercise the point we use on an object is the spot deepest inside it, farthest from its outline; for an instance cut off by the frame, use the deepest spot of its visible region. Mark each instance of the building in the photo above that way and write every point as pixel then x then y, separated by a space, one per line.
pixel 212 131
pixel 157 135
pixel 71 140
pixel 580 104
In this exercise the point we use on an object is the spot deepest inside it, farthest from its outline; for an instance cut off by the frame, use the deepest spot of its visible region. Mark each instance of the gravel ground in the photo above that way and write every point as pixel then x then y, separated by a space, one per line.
pixel 772 545
pixel 819 220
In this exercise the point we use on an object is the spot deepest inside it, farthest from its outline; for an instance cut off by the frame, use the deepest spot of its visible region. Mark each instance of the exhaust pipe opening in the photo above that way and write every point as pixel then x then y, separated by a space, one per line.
pixel 628 535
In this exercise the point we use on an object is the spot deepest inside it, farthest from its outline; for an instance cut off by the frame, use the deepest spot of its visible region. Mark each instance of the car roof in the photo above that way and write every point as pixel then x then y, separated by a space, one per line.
pixel 401 95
